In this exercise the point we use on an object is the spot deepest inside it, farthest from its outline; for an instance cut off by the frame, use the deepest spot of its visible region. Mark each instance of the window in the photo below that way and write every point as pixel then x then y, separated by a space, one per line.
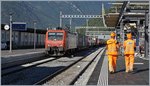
pixel 55 36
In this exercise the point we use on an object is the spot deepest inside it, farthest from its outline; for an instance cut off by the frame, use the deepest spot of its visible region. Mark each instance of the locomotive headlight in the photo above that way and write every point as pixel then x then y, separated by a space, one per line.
pixel 61 45
pixel 48 45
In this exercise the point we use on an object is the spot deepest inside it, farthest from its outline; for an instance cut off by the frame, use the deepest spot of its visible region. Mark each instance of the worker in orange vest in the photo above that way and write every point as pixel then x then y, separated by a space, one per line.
pixel 112 52
pixel 129 46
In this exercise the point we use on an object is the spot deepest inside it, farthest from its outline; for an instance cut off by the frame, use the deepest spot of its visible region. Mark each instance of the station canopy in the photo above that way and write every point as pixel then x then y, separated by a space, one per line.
pixel 130 9
pixel 111 19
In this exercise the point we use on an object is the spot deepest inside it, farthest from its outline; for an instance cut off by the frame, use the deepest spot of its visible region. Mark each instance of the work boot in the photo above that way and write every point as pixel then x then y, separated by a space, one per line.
pixel 111 72
pixel 131 71
pixel 127 71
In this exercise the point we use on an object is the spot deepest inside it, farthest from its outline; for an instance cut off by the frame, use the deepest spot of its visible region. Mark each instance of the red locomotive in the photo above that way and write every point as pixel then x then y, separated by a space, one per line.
pixel 61 41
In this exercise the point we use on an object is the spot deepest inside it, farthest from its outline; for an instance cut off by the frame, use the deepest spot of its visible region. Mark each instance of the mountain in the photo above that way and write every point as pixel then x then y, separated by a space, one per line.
pixel 46 13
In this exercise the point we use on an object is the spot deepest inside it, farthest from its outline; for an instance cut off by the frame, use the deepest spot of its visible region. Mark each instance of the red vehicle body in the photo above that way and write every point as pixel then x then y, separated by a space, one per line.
pixel 60 41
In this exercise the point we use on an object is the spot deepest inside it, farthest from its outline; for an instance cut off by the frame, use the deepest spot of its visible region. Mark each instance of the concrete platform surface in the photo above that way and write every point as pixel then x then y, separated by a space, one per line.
pixel 140 75
pixel 6 53
pixel 21 56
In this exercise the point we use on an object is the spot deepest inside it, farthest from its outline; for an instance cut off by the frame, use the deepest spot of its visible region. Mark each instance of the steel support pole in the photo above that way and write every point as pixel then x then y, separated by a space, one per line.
pixel 70 22
pixel 75 30
pixel 10 39
pixel 118 30
pixel 34 35
pixel 60 19
pixel 146 35
pixel 138 37
pixel 122 37
pixel 87 24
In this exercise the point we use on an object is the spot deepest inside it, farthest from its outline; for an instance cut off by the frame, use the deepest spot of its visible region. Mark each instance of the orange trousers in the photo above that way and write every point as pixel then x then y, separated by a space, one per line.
pixel 112 60
pixel 129 61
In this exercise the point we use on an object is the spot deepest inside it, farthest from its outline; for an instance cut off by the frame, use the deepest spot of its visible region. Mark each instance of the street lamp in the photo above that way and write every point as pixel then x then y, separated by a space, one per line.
pixel 34 34
pixel 10 39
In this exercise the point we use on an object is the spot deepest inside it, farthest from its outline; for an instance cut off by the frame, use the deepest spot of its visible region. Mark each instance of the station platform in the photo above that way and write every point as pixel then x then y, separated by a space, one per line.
pixel 101 75
pixel 140 75
pixel 20 55
pixel 18 52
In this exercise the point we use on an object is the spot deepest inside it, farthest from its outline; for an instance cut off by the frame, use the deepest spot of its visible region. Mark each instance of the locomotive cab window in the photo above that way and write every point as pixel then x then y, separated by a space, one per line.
pixel 55 36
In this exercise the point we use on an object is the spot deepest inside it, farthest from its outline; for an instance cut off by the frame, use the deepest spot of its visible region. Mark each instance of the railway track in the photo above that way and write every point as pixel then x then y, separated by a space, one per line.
pixel 31 63
pixel 17 68
pixel 61 77
pixel 24 65
pixel 9 74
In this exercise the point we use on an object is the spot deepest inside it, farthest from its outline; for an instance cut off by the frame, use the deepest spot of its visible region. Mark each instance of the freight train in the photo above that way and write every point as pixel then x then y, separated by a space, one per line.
pixel 62 41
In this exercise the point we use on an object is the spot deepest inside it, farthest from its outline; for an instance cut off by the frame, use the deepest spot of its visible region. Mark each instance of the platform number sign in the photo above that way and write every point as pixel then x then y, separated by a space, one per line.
pixel 19 26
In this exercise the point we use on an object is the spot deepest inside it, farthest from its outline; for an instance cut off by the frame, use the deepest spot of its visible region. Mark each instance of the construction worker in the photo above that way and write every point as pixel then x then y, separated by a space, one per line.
pixel 112 52
pixel 129 46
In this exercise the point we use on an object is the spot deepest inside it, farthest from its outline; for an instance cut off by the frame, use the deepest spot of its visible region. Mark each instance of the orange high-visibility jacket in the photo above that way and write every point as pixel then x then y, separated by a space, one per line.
pixel 129 46
pixel 112 47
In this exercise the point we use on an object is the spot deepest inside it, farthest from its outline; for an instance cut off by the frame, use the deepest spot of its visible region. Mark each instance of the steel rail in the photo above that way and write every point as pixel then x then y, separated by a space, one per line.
pixel 59 71
pixel 72 83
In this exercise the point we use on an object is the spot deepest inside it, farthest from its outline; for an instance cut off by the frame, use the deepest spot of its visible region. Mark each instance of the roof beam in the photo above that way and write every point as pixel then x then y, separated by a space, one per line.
pixel 124 7
pixel 130 3
pixel 81 16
